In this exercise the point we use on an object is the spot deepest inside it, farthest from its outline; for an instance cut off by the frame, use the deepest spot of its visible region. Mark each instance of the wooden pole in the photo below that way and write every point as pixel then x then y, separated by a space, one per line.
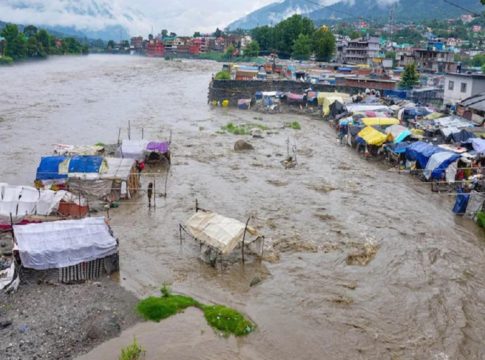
pixel 166 181
pixel 244 238
pixel 154 192
pixel 129 130
pixel 196 205
pixel 142 133
pixel 119 136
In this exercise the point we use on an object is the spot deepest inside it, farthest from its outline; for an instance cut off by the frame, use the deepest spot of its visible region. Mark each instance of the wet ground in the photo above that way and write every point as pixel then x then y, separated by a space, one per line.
pixel 366 263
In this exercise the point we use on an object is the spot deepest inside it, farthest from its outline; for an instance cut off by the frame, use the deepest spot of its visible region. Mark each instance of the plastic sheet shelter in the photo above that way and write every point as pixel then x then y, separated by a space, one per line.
pixel 366 107
pixel 438 163
pixel 244 104
pixel 132 149
pixel 24 201
pixel 292 98
pixel 85 164
pixel 372 136
pixel 219 232
pixel 398 133
pixel 421 152
pixel 380 121
pixel 478 145
pixel 342 97
pixel 48 168
pixel 59 244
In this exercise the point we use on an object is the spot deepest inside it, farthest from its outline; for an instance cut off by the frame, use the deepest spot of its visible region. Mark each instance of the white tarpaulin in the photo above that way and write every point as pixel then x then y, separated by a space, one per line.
pixel 21 201
pixel 436 160
pixel 218 231
pixel 58 244
pixel 133 149
pixel 118 168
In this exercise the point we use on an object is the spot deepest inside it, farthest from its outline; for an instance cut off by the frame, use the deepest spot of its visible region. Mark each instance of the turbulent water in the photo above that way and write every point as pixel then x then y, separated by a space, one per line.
pixel 422 295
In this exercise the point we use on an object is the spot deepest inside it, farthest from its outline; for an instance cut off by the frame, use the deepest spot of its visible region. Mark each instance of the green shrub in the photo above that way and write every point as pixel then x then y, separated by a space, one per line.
pixel 295 125
pixel 227 320
pixel 159 308
pixel 6 60
pixel 223 75
pixel 132 352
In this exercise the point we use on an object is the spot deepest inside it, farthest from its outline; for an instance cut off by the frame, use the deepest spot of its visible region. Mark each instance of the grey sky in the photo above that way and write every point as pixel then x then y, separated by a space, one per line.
pixel 181 16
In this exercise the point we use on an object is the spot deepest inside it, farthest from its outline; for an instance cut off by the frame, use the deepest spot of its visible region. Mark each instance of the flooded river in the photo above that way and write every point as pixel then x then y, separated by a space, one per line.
pixel 421 297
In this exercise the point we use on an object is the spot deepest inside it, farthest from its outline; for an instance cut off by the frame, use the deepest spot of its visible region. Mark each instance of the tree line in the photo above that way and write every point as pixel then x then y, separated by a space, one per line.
pixel 35 43
pixel 298 37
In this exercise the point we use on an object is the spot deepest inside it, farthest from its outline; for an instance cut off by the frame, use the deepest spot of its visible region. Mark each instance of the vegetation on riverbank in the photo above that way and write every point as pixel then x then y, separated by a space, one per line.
pixel 34 43
pixel 132 352
pixel 242 129
pixel 226 320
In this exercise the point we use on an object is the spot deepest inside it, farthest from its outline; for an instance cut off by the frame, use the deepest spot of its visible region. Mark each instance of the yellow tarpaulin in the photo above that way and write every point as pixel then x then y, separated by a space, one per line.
pixel 372 136
pixel 433 116
pixel 322 95
pixel 380 121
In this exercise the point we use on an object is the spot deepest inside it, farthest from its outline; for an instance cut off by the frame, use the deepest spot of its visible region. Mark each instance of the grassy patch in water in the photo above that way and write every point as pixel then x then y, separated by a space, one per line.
pixel 132 352
pixel 295 125
pixel 242 129
pixel 222 318
pixel 228 320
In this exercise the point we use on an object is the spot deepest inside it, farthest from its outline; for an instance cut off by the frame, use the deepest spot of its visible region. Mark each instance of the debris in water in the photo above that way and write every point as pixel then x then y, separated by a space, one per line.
pixel 242 145
pixel 364 255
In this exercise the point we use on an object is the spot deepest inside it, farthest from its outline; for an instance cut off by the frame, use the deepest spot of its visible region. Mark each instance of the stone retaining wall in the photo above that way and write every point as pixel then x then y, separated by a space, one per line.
pixel 233 90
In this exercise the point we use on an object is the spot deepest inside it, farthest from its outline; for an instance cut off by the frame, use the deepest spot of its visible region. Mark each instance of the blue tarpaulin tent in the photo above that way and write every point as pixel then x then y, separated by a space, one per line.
pixel 85 164
pixel 49 168
pixel 438 163
pixel 399 148
pixel 461 202
pixel 421 152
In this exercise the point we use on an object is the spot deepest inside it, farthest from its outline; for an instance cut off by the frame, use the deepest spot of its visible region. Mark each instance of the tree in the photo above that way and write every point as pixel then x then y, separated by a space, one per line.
pixel 16 46
pixel 288 31
pixel 43 39
pixel 264 36
pixel 302 47
pixel 323 44
pixel 229 51
pixel 197 34
pixel 218 33
pixel 164 33
pixel 410 77
pixel 252 49
pixel 111 44
pixel 223 75
pixel 30 31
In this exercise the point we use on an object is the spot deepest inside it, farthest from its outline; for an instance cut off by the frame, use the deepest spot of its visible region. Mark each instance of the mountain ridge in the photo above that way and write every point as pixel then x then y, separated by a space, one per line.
pixel 345 10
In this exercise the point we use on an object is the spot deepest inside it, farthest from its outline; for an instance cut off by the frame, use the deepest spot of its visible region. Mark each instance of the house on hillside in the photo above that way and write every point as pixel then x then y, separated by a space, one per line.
pixel 458 87
pixel 362 50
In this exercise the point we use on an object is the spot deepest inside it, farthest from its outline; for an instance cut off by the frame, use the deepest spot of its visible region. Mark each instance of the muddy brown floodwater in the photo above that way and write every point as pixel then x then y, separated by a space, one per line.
pixel 421 295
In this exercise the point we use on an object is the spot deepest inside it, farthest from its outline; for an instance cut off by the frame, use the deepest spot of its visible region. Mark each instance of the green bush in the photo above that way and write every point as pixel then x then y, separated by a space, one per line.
pixel 6 60
pixel 132 352
pixel 227 320
pixel 223 75
pixel 295 125
pixel 159 308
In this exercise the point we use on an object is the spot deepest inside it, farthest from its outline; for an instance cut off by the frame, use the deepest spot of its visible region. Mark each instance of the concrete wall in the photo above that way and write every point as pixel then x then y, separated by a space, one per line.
pixel 233 90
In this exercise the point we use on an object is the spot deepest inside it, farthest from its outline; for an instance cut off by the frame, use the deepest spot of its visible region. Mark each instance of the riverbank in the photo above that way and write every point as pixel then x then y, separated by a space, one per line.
pixel 417 297
pixel 45 319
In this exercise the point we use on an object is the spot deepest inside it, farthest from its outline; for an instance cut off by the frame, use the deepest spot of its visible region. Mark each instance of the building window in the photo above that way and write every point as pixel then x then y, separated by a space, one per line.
pixel 463 87
pixel 451 85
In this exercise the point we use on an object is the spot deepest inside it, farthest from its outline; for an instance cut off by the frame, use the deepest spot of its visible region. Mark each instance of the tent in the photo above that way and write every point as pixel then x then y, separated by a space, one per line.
pixel 421 152
pixel 219 232
pixel 438 163
pixel 380 121
pixel 292 98
pixel 398 148
pixel 353 108
pixel 398 133
pixel 23 201
pixel 60 244
pixel 244 104
pixel 72 150
pixel 132 149
pixel 372 136
pixel 478 145
pixel 460 137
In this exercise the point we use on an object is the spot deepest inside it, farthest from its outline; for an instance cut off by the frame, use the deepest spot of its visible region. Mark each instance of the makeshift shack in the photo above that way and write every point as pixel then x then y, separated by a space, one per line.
pixel 144 150
pixel 26 204
pixel 220 235
pixel 81 249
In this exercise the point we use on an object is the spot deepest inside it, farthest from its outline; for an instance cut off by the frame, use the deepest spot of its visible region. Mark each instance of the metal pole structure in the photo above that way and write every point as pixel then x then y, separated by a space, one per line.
pixel 154 192
pixel 142 133
pixel 196 205
pixel 119 136
pixel 129 130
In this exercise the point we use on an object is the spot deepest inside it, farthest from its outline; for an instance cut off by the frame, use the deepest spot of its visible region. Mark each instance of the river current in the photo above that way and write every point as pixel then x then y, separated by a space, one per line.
pixel 421 296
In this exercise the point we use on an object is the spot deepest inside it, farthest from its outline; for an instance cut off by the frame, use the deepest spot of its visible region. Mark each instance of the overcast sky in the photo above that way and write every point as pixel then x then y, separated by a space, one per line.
pixel 180 16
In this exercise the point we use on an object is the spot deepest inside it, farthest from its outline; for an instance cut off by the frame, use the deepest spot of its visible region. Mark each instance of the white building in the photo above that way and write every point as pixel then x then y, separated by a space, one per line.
pixel 461 86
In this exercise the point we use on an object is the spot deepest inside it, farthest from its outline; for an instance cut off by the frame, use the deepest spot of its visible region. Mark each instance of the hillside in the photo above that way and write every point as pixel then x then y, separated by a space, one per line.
pixel 405 10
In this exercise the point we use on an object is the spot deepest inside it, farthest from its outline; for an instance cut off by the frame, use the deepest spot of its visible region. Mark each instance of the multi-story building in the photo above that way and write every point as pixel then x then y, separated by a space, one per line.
pixel 362 50
pixel 461 86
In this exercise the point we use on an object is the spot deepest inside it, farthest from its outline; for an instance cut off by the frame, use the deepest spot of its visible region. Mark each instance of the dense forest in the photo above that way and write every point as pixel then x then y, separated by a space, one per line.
pixel 34 43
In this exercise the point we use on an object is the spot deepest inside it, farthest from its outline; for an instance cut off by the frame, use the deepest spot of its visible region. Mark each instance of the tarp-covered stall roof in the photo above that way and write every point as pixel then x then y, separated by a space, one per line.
pixel 372 136
pixel 49 168
pixel 133 149
pixel 421 152
pixel 217 231
pixel 398 133
pixel 85 164
pixel 438 163
pixel 375 121
pixel 59 244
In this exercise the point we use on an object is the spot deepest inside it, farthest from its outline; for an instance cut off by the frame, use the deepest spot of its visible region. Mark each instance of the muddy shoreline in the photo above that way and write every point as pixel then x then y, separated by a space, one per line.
pixel 417 297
